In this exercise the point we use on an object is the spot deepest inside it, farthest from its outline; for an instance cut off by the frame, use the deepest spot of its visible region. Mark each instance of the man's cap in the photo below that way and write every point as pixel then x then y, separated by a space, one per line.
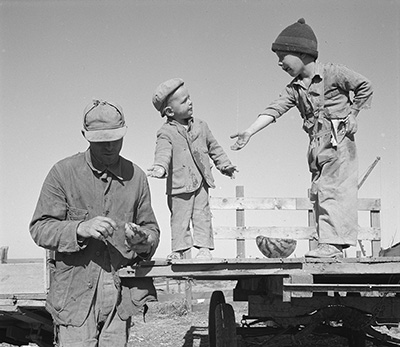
pixel 103 121
pixel 298 38
pixel 163 91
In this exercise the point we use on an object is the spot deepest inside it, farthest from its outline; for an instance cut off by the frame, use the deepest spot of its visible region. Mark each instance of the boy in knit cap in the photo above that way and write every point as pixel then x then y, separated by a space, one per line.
pixel 329 98
pixel 184 145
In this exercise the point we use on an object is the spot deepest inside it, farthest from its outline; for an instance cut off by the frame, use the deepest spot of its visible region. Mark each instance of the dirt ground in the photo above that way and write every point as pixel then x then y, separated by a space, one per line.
pixel 171 325
pixel 191 330
pixel 168 323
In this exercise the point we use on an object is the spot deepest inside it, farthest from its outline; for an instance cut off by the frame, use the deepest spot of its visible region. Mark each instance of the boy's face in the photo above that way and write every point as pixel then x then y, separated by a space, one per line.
pixel 181 105
pixel 290 63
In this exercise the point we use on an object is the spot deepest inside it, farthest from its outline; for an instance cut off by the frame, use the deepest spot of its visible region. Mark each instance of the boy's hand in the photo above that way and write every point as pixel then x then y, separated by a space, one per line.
pixel 156 171
pixel 351 124
pixel 242 140
pixel 229 171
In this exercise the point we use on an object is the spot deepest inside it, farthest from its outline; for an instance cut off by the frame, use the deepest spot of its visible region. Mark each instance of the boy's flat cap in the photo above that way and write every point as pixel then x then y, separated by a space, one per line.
pixel 163 91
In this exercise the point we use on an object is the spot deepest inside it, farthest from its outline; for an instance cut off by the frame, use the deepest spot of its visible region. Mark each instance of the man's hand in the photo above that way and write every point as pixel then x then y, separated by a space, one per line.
pixel 351 124
pixel 242 140
pixel 229 171
pixel 156 171
pixel 137 239
pixel 98 227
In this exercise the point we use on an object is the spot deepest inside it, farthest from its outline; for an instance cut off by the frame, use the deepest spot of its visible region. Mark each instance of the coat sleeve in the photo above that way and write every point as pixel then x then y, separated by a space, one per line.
pixel 282 104
pixel 145 216
pixel 163 152
pixel 361 87
pixel 215 151
pixel 54 225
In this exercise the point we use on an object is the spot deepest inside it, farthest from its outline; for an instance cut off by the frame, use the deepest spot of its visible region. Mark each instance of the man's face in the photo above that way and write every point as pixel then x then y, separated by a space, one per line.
pixel 106 152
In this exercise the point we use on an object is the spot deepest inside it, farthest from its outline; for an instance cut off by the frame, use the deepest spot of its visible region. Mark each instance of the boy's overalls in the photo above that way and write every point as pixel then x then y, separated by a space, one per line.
pixel 332 160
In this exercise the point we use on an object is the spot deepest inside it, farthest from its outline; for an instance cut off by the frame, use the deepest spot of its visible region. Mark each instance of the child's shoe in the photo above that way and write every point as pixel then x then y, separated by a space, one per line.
pixel 175 255
pixel 204 253
pixel 325 250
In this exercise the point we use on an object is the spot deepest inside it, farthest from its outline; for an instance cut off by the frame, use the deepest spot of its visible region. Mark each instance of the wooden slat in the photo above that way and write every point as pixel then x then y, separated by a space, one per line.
pixel 317 287
pixel 20 278
pixel 375 222
pixel 265 306
pixel 259 203
pixel 232 203
pixel 236 268
pixel 240 222
pixel 298 233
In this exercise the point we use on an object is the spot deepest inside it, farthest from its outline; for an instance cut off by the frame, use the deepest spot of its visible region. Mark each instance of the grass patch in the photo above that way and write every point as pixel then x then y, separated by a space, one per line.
pixel 176 308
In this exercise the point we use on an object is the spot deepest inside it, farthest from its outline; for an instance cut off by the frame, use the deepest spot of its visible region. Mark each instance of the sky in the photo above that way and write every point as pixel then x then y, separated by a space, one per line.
pixel 56 56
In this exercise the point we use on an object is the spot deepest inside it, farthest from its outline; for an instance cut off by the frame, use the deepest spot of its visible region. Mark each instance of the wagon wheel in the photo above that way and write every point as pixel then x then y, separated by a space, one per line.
pixel 225 326
pixel 217 298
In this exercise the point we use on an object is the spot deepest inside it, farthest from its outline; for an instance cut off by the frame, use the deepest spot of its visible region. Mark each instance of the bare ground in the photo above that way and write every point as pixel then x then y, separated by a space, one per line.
pixel 191 330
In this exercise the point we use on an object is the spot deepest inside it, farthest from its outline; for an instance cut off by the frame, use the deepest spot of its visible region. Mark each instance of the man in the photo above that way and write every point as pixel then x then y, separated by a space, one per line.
pixel 94 212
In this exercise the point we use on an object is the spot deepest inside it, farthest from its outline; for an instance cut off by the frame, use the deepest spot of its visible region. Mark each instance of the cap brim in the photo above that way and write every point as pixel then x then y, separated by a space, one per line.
pixel 105 135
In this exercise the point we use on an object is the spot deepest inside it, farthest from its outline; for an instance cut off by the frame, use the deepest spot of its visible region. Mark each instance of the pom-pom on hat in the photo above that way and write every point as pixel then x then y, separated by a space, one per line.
pixel 298 37
pixel 103 122
pixel 163 91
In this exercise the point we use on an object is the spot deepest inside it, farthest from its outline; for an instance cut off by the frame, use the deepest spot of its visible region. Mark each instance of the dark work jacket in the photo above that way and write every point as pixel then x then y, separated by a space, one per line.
pixel 74 191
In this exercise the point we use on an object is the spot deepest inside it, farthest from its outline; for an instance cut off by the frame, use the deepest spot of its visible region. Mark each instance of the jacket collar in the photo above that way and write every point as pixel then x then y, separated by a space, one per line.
pixel 100 168
pixel 318 75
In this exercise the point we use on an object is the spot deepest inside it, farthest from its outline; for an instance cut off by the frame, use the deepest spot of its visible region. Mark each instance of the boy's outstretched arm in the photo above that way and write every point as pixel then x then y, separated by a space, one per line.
pixel 243 137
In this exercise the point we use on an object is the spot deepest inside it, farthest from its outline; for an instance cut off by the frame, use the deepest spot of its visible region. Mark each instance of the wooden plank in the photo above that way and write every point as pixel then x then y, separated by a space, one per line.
pixel 25 296
pixel 301 277
pixel 22 278
pixel 248 203
pixel 295 232
pixel 318 287
pixel 238 268
pixel 232 203
pixel 265 306
pixel 10 305
pixel 240 222
pixel 3 254
pixel 375 222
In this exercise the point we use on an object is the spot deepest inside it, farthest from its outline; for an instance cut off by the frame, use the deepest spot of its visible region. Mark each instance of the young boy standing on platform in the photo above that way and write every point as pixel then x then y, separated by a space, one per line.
pixel 329 98
pixel 184 146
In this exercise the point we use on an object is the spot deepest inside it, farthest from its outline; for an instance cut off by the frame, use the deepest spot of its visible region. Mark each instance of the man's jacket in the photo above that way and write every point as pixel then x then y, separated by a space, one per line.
pixel 76 191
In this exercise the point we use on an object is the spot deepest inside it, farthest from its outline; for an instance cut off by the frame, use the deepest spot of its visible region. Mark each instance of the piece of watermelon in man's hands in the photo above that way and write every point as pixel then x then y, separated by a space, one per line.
pixel 134 234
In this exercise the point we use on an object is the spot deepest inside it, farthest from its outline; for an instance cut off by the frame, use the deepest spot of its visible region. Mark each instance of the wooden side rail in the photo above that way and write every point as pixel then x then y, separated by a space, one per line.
pixel 240 232
pixel 217 203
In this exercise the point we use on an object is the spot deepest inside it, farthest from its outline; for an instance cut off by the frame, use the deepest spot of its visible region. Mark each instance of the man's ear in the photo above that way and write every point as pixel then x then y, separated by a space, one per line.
pixel 168 111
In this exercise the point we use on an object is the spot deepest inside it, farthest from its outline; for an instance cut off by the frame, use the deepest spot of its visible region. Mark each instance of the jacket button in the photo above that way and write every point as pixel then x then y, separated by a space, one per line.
pixel 98 253
pixel 90 285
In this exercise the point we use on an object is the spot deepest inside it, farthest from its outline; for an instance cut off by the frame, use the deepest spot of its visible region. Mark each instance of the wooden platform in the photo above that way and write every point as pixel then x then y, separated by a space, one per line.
pixel 230 269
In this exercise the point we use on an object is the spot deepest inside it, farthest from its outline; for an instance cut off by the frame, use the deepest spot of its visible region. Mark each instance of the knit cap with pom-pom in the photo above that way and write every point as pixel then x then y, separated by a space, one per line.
pixel 298 37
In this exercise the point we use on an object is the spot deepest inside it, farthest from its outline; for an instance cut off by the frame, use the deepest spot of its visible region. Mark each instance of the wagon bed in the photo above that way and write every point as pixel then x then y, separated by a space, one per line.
pixel 296 296
pixel 353 297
